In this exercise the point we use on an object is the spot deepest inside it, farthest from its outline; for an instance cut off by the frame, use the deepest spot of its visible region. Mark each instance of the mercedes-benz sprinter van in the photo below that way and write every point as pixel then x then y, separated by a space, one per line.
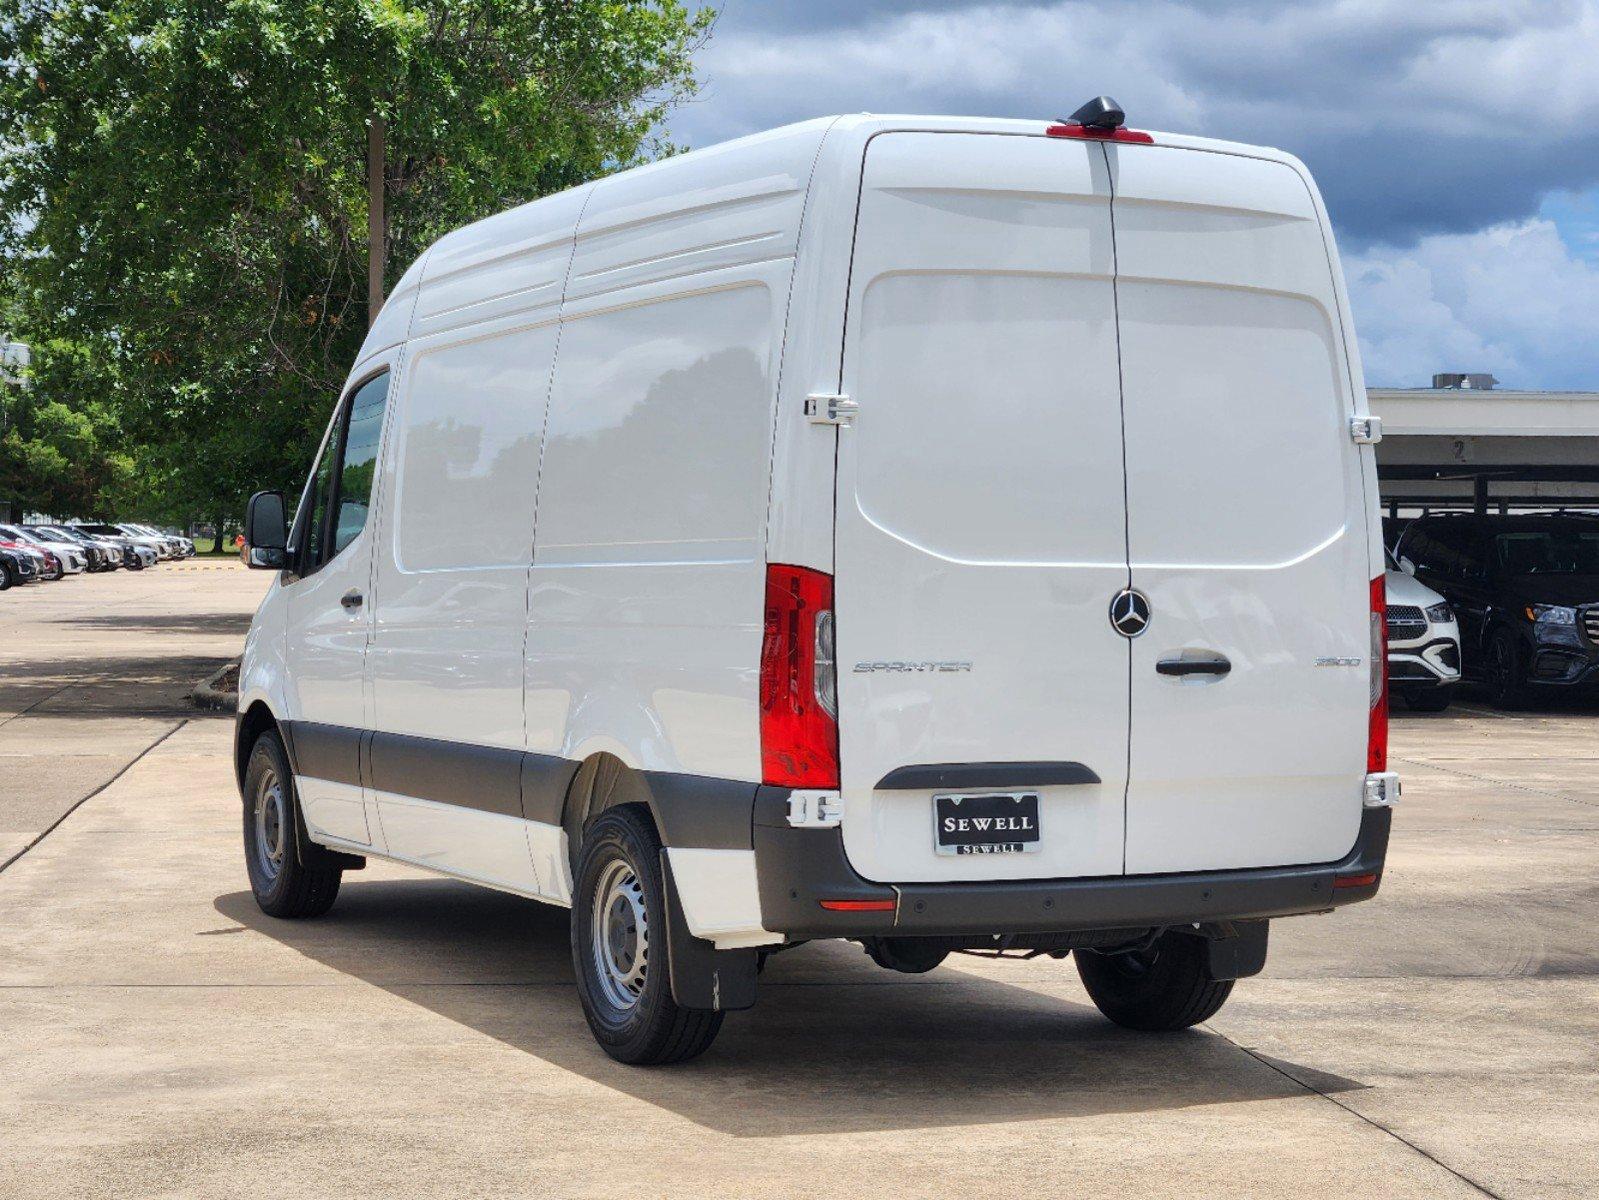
pixel 942 534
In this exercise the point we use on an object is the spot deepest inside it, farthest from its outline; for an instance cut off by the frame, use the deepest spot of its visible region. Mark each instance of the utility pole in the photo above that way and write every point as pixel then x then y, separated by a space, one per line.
pixel 376 231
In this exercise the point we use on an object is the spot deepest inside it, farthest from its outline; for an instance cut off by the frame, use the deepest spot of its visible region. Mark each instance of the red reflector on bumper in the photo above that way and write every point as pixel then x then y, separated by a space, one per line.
pixel 1349 881
pixel 859 905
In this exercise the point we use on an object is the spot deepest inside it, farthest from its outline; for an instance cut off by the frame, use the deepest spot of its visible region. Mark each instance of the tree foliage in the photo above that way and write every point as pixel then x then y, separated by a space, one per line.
pixel 185 187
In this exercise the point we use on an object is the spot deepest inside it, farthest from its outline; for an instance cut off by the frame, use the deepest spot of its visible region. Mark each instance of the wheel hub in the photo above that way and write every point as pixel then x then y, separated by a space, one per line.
pixel 271 826
pixel 620 935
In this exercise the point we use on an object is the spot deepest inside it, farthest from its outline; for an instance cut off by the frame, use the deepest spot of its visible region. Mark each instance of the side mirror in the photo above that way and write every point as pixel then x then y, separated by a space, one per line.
pixel 1408 567
pixel 266 532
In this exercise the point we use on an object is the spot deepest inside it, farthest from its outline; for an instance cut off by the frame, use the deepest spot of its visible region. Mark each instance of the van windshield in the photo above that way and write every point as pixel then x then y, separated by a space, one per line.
pixel 1548 552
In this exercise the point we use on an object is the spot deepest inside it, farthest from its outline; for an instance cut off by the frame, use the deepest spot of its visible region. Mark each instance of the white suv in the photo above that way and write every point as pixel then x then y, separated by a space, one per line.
pixel 1423 643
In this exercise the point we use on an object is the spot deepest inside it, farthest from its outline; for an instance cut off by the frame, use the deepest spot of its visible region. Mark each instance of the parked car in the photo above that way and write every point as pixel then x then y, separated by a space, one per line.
pixel 1423 643
pixel 1055 713
pixel 103 553
pixel 69 557
pixel 99 555
pixel 138 553
pixel 28 564
pixel 16 566
pixel 166 546
pixel 54 566
pixel 1526 591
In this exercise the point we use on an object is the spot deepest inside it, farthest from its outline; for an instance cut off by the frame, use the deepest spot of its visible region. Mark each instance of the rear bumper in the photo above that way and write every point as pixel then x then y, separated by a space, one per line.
pixel 799 868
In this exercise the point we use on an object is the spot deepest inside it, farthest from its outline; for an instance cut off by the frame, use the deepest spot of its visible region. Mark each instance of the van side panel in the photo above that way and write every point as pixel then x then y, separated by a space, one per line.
pixel 450 580
pixel 648 581
pixel 645 608
pixel 1246 514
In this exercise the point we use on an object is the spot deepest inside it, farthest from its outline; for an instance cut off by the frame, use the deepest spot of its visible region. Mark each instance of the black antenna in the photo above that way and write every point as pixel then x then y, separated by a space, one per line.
pixel 1099 113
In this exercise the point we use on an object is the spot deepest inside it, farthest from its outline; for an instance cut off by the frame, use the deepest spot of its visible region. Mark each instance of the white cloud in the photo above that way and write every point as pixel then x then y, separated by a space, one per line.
pixel 1440 116
pixel 1513 300
pixel 1438 125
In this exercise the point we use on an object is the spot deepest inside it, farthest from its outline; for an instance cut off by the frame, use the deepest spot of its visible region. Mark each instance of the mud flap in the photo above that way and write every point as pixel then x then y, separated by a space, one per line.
pixel 1235 949
pixel 314 856
pixel 703 976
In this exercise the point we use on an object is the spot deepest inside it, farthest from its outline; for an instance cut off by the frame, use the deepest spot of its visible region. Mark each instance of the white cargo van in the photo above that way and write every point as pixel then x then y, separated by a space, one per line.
pixel 939 533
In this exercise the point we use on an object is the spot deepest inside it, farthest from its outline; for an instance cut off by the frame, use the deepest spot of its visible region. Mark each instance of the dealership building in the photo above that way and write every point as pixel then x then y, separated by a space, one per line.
pixel 1466 443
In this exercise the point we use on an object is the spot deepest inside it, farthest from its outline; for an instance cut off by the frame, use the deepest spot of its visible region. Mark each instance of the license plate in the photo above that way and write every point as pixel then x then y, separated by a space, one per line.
pixel 986 824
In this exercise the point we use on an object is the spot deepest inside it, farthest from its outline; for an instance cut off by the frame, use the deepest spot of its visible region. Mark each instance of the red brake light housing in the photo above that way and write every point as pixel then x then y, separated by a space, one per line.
pixel 799 729
pixel 1377 733
pixel 1096 134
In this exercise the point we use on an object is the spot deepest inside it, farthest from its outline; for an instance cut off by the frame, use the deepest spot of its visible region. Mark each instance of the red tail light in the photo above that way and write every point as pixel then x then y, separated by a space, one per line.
pixel 1377 736
pixel 1094 133
pixel 799 732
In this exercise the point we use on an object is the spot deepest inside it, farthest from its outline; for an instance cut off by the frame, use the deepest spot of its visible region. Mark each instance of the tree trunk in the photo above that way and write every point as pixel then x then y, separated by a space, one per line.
pixel 376 228
pixel 220 545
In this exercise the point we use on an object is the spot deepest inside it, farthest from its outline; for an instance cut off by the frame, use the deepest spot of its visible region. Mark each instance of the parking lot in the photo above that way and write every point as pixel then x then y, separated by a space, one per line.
pixel 158 1036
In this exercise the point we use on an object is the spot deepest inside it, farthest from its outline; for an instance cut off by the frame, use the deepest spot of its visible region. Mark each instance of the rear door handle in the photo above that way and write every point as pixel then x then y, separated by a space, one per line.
pixel 1194 666
pixel 351 599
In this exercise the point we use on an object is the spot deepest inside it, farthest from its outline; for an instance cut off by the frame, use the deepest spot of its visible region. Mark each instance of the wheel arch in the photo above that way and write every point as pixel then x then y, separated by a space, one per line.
pixel 603 782
pixel 255 720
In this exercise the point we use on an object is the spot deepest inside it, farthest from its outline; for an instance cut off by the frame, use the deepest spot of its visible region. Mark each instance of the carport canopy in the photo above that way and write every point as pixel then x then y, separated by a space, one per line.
pixel 1490 450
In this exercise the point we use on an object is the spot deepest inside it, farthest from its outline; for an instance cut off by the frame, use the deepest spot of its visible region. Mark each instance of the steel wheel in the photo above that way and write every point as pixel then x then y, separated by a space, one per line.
pixel 271 827
pixel 619 936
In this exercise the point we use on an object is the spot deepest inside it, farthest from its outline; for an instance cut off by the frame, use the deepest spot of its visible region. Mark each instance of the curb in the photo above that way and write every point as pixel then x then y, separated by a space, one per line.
pixel 207 694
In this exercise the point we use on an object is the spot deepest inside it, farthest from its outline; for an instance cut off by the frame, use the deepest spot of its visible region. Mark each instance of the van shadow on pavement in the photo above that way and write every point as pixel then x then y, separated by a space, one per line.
pixel 834 1043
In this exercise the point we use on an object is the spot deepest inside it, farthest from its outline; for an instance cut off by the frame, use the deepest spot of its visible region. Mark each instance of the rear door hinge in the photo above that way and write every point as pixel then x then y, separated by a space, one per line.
pixel 830 410
pixel 1367 431
pixel 815 810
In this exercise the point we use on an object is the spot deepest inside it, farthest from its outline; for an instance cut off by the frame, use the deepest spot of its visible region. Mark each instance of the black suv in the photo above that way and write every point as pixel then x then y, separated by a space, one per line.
pixel 1526 591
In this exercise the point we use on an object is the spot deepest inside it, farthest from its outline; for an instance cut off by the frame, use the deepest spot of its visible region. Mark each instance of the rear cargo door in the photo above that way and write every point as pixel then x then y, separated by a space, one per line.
pixel 1246 527
pixel 980 519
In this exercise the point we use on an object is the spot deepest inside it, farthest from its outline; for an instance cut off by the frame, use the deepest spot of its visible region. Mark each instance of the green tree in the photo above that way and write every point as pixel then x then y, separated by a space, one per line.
pixel 187 189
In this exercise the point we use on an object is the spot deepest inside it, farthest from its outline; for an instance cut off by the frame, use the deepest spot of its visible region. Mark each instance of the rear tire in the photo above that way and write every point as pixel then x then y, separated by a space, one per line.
pixel 619 947
pixel 1164 988
pixel 283 886
pixel 5 577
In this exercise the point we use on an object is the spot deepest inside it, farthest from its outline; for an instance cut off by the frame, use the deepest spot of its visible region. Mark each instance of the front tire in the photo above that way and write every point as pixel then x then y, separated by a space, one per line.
pixel 619 947
pixel 6 579
pixel 283 885
pixel 1158 990
pixel 1506 686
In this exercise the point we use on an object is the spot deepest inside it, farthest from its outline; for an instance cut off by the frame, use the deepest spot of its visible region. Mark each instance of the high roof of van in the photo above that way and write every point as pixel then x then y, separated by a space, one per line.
pixel 472 267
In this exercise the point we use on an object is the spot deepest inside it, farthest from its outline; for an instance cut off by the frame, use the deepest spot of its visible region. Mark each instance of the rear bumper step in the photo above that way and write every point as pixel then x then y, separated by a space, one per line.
pixel 799 868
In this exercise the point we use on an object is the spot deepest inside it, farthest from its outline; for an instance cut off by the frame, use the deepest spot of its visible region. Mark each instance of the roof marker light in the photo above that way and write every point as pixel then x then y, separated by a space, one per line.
pixel 1101 119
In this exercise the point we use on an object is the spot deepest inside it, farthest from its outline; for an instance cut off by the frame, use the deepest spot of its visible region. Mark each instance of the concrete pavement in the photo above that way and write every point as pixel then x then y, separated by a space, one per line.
pixel 159 1037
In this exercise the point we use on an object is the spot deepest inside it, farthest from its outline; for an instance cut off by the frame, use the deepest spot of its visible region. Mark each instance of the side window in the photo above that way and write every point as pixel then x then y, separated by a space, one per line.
pixel 358 460
pixel 1474 557
pixel 1418 546
pixel 311 525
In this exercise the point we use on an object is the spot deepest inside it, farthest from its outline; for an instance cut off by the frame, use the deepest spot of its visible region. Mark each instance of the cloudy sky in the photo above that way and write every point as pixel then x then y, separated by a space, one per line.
pixel 1456 141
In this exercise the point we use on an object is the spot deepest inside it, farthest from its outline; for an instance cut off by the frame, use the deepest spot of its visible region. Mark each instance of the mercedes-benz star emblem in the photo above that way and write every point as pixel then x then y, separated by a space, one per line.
pixel 1129 612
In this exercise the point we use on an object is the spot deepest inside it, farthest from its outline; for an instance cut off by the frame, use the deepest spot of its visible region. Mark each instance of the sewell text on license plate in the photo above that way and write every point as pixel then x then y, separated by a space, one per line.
pixel 1004 823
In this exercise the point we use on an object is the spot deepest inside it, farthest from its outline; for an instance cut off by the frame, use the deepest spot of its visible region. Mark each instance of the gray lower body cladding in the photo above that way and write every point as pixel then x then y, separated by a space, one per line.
pixel 800 868
pixel 797 869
